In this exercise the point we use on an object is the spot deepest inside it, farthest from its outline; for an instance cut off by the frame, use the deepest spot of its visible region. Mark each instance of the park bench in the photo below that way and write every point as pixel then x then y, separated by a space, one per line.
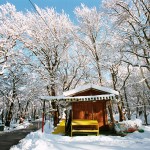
pixel 84 126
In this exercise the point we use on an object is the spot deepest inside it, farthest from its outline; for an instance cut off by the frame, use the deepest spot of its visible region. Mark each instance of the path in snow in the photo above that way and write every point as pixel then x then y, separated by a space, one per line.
pixel 8 139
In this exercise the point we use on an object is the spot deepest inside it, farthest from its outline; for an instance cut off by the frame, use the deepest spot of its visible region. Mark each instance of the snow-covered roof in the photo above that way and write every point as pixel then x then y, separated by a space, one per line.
pixel 68 96
pixel 79 98
pixel 90 86
pixel 48 98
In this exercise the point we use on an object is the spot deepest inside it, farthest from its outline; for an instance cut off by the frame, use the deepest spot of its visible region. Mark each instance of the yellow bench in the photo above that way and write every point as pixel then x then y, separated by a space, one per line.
pixel 84 126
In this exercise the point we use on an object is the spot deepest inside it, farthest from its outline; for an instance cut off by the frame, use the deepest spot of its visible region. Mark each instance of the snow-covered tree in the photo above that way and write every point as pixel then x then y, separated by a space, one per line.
pixel 130 24
pixel 91 34
pixel 131 21
pixel 74 69
pixel 48 37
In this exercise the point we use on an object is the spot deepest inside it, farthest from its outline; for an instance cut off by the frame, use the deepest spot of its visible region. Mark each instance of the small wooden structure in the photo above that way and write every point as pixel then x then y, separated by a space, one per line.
pixel 88 108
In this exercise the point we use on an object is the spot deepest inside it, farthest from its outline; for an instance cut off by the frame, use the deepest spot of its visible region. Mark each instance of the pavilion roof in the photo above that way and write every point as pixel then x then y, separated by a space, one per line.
pixel 90 86
pixel 69 96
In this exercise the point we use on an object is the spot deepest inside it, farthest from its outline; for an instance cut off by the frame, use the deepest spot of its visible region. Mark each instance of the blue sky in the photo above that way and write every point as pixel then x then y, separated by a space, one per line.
pixel 67 5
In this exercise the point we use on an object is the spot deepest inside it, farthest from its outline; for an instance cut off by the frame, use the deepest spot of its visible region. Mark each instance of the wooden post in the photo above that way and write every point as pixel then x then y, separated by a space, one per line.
pixel 92 112
pixel 43 116
pixel 71 115
pixel 66 119
pixel 103 110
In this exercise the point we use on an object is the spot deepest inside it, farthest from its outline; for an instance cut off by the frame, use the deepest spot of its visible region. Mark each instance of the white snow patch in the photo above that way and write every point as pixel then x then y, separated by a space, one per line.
pixel 45 141
pixel 17 126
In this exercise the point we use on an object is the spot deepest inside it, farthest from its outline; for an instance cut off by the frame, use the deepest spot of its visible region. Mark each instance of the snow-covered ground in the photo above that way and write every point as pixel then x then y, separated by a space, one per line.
pixel 16 126
pixel 46 141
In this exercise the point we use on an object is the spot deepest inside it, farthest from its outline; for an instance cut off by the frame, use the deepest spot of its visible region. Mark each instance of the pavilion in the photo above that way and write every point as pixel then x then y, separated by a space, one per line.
pixel 87 108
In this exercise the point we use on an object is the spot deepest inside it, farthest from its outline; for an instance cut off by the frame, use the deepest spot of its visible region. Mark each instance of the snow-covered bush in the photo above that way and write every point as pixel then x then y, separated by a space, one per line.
pixel 128 126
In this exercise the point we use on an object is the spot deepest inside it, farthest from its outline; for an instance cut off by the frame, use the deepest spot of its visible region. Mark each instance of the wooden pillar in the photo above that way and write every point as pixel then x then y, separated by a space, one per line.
pixel 92 111
pixel 104 113
pixel 43 116
pixel 66 120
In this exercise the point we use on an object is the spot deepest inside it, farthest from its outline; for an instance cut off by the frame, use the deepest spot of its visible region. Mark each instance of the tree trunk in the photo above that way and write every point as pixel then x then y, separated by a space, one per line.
pixel 145 115
pixel 137 108
pixel 114 81
pixel 111 112
pixel 2 115
pixel 9 115
pixel 121 115
pixel 128 109
pixel 51 91
pixel 26 108
pixel 34 114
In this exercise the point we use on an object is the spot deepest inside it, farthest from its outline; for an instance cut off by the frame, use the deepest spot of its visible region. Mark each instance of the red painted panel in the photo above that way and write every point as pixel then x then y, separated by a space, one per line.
pixel 82 110
pixel 99 110
pixel 90 110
